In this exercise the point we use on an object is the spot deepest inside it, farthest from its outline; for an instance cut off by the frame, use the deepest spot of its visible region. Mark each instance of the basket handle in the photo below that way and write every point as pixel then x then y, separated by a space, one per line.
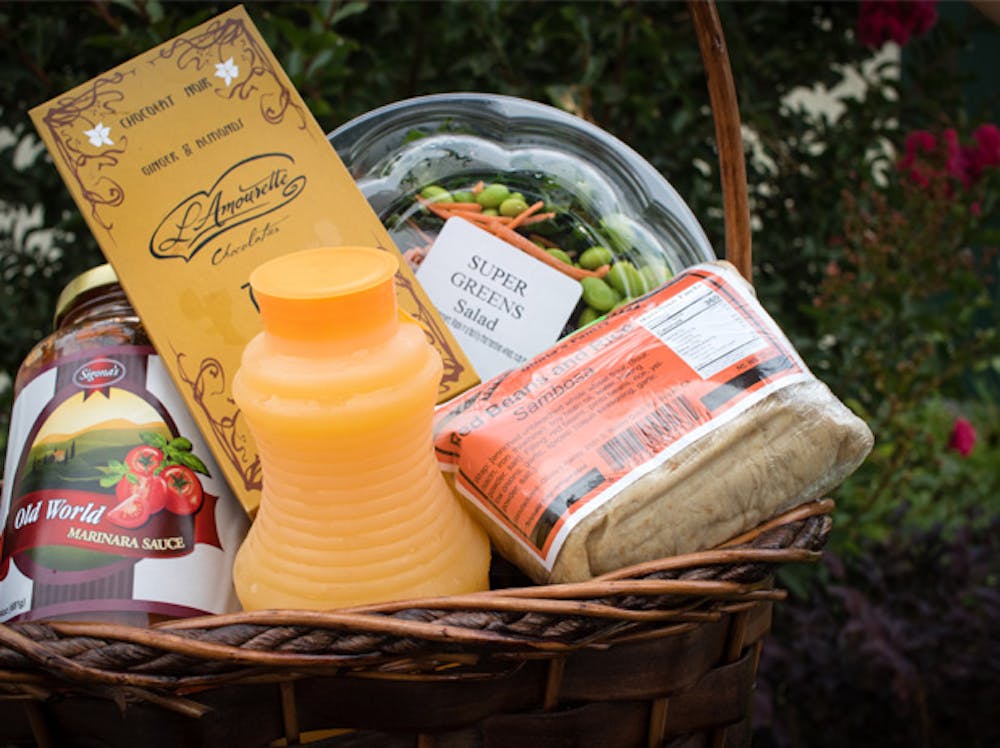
pixel 728 137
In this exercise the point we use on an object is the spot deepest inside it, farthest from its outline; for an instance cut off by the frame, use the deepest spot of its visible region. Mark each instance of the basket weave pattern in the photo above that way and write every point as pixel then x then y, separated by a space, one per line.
pixel 488 668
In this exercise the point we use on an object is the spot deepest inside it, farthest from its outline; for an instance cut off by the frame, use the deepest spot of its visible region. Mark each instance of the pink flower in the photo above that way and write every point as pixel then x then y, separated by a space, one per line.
pixel 988 139
pixel 962 162
pixel 963 437
pixel 920 141
pixel 880 21
pixel 917 144
pixel 928 159
pixel 967 163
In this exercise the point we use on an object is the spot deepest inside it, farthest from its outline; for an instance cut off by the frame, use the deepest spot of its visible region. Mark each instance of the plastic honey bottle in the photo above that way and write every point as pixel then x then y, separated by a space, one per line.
pixel 339 391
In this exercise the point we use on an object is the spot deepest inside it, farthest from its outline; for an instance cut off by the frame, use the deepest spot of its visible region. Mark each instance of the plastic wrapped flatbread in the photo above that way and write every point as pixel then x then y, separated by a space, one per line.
pixel 683 419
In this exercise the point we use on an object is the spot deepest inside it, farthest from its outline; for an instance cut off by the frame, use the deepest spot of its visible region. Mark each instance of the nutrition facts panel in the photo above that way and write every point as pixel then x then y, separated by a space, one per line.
pixel 704 329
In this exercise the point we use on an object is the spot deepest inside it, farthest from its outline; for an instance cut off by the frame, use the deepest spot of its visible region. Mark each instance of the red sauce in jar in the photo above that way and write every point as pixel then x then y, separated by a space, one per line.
pixel 113 507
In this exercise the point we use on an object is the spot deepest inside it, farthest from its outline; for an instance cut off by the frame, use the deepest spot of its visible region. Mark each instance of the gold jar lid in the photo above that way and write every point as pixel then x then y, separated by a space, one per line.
pixel 102 275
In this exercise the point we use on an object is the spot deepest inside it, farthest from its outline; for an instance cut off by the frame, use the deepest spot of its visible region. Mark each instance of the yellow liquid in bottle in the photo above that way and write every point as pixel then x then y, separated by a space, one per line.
pixel 339 393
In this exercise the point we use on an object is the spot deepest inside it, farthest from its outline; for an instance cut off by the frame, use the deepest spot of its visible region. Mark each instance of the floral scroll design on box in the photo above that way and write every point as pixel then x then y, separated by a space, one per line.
pixel 210 390
pixel 239 65
pixel 81 128
pixel 83 125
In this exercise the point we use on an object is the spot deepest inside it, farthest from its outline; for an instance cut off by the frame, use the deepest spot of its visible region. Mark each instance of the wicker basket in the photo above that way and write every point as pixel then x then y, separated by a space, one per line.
pixel 663 653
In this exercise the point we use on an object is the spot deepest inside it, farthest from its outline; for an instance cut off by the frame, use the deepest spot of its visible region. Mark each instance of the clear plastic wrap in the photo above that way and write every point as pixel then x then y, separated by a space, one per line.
pixel 676 423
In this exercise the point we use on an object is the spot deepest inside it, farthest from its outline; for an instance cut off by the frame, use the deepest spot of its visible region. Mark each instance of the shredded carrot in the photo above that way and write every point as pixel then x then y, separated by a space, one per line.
pixel 539 239
pixel 446 210
pixel 438 209
pixel 521 242
pixel 479 217
pixel 526 213
pixel 420 232
pixel 449 210
pixel 537 218
pixel 415 255
pixel 503 227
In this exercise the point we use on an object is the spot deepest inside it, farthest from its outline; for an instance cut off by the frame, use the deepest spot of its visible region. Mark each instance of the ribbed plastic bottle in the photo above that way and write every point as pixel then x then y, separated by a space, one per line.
pixel 339 392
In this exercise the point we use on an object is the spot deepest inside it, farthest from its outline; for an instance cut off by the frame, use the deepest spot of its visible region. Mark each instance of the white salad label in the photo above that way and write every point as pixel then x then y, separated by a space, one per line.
pixel 502 305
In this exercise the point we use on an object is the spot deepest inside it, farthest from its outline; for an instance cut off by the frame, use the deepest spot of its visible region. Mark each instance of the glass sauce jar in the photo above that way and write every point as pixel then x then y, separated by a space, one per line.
pixel 113 507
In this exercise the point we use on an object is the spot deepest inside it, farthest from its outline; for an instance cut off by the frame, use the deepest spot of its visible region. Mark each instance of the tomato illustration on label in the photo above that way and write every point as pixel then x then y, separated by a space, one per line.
pixel 144 459
pixel 131 513
pixel 155 492
pixel 184 492
pixel 125 487
pixel 158 474
pixel 152 489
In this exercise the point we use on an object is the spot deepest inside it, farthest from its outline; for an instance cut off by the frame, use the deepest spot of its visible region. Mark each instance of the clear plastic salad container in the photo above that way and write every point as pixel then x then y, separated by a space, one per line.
pixel 602 192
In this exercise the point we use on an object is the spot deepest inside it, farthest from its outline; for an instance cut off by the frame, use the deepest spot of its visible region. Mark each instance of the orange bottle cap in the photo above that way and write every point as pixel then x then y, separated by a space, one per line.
pixel 328 293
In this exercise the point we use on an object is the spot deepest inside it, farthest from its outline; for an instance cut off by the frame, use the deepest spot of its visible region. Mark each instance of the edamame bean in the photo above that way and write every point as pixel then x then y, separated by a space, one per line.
pixel 655 274
pixel 559 255
pixel 492 195
pixel 436 193
pixel 598 294
pixel 512 207
pixel 588 315
pixel 625 279
pixel 595 257
pixel 623 302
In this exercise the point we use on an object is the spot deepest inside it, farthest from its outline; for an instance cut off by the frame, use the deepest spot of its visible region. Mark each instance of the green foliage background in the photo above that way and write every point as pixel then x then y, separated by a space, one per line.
pixel 908 340
pixel 631 67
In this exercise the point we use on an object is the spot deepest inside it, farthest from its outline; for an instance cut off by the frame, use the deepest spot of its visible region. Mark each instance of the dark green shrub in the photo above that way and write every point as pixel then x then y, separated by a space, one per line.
pixel 897 648
pixel 632 67
pixel 907 331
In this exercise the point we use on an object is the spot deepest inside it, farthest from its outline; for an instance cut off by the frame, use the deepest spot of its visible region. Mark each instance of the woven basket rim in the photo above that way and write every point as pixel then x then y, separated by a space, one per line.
pixel 460 636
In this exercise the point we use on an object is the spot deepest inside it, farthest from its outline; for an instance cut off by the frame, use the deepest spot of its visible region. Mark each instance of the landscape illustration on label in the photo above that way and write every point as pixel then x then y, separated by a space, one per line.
pixel 105 478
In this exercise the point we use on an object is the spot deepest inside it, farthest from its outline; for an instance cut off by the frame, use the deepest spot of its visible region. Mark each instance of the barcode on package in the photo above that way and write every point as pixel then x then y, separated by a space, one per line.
pixel 704 329
pixel 665 424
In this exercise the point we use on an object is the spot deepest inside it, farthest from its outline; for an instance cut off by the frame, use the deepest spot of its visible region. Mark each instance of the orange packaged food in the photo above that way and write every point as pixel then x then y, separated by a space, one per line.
pixel 679 421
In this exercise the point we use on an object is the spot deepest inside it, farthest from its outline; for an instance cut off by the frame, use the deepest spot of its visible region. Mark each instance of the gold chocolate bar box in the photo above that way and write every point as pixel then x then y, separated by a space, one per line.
pixel 193 163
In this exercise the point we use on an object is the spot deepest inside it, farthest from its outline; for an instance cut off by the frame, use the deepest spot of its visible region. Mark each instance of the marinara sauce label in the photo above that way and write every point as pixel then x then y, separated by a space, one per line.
pixel 540 447
pixel 112 501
